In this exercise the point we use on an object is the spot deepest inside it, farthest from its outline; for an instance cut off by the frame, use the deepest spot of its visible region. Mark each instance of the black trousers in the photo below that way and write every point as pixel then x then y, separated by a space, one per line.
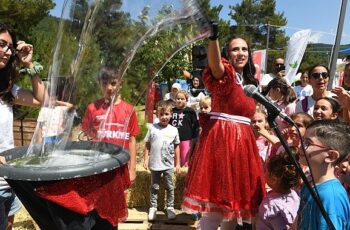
pixel 50 216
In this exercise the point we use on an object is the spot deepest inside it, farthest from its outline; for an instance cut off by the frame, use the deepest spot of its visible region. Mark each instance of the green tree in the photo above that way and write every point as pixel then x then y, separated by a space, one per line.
pixel 24 14
pixel 253 20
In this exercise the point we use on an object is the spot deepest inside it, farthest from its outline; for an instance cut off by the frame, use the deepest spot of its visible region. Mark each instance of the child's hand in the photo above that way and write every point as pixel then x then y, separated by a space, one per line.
pixel 285 132
pixel 145 164
pixel 177 169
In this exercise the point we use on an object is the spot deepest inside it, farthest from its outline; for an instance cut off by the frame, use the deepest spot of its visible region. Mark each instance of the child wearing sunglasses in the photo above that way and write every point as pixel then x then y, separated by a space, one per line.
pixel 318 79
pixel 327 143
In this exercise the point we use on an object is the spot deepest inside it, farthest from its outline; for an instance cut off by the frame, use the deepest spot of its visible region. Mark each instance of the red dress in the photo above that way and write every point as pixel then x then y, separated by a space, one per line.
pixel 225 174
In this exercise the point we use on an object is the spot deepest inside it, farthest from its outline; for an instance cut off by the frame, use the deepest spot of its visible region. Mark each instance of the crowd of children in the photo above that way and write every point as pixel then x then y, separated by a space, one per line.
pixel 211 145
pixel 287 203
pixel 238 170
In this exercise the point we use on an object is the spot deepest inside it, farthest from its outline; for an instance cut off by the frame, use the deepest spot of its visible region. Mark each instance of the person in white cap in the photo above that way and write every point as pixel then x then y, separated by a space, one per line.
pixel 171 95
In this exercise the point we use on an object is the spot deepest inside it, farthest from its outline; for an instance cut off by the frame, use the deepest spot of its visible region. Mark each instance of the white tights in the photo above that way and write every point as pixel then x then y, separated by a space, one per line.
pixel 212 220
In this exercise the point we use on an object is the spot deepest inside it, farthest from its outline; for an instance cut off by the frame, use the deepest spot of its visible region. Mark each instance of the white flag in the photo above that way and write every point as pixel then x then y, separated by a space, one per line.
pixel 295 52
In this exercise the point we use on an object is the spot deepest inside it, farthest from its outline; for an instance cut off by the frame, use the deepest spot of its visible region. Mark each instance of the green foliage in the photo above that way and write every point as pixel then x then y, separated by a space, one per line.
pixel 43 37
pixel 254 20
pixel 143 130
pixel 24 14
pixel 88 89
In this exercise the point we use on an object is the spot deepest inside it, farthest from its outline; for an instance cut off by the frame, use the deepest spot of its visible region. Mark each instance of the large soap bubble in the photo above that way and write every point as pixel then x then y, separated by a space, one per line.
pixel 93 34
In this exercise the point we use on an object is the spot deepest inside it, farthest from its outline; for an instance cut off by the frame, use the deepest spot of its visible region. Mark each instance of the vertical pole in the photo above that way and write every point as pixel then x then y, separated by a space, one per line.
pixel 267 45
pixel 334 54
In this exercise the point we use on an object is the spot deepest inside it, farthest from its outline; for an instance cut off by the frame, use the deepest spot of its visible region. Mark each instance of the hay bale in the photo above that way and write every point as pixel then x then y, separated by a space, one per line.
pixel 23 221
pixel 139 193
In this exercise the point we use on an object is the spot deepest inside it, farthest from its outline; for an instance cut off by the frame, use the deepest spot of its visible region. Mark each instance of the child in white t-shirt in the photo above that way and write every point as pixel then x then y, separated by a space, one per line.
pixel 162 153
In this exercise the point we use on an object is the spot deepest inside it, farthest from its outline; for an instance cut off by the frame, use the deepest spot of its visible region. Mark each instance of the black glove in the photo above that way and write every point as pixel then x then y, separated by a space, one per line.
pixel 214 26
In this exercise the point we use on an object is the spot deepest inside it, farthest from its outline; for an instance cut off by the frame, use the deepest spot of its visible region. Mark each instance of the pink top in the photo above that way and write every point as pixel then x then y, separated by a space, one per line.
pixel 288 109
pixel 264 147
pixel 278 211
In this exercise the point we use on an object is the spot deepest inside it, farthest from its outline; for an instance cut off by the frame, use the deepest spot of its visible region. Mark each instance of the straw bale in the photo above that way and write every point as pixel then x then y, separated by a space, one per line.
pixel 139 193
pixel 23 221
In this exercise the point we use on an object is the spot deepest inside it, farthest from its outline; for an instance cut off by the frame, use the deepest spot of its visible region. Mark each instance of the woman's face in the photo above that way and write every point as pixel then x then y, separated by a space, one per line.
pixel 319 78
pixel 238 54
pixel 195 82
pixel 6 49
pixel 323 110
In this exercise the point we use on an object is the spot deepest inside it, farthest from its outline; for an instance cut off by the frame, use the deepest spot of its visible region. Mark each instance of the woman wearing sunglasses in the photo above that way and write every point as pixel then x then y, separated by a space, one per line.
pixel 318 79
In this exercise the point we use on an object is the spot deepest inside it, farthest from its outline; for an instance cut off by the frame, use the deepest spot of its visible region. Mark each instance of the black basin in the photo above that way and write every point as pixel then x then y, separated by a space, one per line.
pixel 97 157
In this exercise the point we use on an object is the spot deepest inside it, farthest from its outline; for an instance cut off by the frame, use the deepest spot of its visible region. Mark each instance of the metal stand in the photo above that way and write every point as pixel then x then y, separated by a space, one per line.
pixel 21 128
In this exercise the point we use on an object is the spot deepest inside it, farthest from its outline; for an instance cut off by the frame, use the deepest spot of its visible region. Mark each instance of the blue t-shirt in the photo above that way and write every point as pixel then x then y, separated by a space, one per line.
pixel 335 201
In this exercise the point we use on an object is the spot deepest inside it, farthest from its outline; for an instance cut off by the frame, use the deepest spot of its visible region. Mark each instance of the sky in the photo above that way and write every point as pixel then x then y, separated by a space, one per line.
pixel 321 16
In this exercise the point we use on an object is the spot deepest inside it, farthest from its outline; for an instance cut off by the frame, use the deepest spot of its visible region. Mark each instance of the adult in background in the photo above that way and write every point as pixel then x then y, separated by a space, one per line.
pixel 196 93
pixel 225 180
pixel 14 54
pixel 318 78
pixel 304 89
pixel 172 95
pixel 278 71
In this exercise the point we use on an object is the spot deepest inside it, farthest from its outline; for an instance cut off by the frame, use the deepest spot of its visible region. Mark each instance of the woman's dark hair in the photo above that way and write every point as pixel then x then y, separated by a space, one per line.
pixel 195 91
pixel 9 73
pixel 282 166
pixel 317 65
pixel 249 69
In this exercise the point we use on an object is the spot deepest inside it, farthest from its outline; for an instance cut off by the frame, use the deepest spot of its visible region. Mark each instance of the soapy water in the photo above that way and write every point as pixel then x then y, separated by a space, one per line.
pixel 93 34
pixel 61 158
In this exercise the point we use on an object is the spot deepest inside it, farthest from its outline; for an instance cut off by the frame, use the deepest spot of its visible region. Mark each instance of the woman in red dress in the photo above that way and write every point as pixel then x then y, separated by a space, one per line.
pixel 225 179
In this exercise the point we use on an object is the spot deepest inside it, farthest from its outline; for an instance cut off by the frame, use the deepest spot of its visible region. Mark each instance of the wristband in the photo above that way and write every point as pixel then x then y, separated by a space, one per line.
pixel 36 69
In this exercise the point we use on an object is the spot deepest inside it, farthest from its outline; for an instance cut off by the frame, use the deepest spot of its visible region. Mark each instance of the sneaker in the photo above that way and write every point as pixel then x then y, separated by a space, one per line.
pixel 171 213
pixel 152 214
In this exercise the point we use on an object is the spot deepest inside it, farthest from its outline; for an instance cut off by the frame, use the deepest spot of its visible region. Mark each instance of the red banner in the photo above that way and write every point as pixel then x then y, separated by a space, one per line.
pixel 259 63
pixel 150 101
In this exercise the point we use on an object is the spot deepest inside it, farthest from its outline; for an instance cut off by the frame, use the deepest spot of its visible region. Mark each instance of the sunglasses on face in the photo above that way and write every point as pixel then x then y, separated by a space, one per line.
pixel 324 75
